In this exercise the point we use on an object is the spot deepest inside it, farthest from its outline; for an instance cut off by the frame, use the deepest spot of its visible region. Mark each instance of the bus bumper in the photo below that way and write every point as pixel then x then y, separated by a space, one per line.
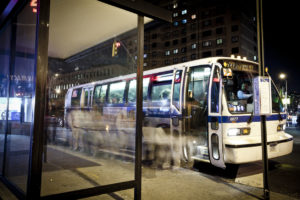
pixel 245 153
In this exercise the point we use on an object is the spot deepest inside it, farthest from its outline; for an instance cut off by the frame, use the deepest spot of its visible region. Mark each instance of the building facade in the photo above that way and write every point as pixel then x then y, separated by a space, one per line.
pixel 197 31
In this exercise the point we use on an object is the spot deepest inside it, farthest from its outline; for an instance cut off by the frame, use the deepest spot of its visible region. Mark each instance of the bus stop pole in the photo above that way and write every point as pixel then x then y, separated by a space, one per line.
pixel 139 110
pixel 260 41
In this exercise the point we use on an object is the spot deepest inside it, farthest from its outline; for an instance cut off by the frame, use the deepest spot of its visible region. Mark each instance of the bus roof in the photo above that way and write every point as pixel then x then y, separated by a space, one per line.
pixel 202 61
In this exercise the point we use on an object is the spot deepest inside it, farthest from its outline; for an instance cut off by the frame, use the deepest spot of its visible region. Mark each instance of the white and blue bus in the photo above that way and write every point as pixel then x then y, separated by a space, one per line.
pixel 193 109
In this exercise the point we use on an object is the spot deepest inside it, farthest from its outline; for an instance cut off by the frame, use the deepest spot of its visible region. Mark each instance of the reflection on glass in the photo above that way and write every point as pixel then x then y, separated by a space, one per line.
pixel 90 123
pixel 21 93
pixel 4 74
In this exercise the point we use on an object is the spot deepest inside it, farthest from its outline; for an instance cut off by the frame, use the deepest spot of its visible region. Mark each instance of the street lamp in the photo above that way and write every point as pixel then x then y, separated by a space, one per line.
pixel 282 76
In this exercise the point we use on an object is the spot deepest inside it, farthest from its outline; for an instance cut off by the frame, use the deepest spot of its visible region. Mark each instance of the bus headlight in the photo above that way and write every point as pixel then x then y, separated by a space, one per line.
pixel 238 131
pixel 280 127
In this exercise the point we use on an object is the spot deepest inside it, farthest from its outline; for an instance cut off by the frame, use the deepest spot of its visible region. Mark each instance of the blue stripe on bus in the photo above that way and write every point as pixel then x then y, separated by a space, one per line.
pixel 240 119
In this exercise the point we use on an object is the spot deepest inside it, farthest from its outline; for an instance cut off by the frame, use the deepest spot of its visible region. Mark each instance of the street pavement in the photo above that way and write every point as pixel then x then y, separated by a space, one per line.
pixel 284 172
pixel 67 170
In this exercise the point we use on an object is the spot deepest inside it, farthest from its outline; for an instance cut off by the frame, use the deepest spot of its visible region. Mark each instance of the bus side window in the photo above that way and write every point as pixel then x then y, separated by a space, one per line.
pixel 116 92
pixel 100 94
pixel 75 98
pixel 86 97
pixel 132 90
pixel 215 91
pixel 176 89
pixel 161 91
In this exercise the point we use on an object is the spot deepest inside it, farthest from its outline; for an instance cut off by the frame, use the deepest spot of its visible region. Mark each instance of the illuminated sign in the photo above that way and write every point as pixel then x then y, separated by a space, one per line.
pixel 33 4
pixel 21 78
pixel 240 66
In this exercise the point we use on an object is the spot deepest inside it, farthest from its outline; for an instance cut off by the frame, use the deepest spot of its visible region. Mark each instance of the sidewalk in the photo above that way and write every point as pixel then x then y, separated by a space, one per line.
pixel 167 184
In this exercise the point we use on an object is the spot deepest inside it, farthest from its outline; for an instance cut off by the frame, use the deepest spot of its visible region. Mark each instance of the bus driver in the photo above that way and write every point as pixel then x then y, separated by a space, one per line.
pixel 243 93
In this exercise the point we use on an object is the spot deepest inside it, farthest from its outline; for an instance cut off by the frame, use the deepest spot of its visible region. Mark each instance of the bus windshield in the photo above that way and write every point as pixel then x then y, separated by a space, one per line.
pixel 237 79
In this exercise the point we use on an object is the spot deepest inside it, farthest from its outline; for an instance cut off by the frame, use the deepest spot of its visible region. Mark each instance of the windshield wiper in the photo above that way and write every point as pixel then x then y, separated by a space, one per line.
pixel 250 118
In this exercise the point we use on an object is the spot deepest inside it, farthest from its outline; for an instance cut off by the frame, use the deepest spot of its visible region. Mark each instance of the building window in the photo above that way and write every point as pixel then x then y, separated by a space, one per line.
pixel 184 21
pixel 175 5
pixel 220 20
pixel 145 55
pixel 205 14
pixel 175 42
pixel 206 23
pixel 234 39
pixel 154 63
pixel 175 33
pixel 145 64
pixel 193 36
pixel 184 12
pixel 175 14
pixel 206 44
pixel 154 45
pixel 206 33
pixel 154 54
pixel 167 44
pixel 219 31
pixel 219 41
pixel 194 46
pixel 193 56
pixel 183 50
pixel 167 53
pixel 234 28
pixel 183 40
pixel 206 54
pixel 235 50
pixel 175 23
pixel 254 58
pixel 183 31
pixel 175 60
pixel 194 16
pixel 154 36
pixel 194 26
pixel 175 51
pixel 167 62
pixel 219 52
pixel 184 59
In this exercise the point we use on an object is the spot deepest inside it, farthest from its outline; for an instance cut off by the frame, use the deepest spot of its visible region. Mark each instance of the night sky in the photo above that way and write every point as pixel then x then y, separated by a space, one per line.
pixel 281 36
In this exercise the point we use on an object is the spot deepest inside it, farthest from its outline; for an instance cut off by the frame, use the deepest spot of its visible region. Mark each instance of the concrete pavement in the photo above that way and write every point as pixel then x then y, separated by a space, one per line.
pixel 67 170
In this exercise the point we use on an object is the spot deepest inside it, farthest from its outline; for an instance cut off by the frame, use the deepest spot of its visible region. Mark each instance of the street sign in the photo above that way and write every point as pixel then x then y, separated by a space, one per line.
pixel 262 95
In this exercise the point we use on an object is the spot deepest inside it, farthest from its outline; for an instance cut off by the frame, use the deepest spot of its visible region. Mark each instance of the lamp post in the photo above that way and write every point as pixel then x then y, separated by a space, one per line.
pixel 282 76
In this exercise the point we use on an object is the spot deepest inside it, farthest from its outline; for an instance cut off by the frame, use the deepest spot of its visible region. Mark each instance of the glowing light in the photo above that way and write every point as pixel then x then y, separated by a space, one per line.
pixel 282 76
pixel 33 4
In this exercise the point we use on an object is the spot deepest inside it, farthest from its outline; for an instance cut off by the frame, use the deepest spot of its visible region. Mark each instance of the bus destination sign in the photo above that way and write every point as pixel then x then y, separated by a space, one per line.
pixel 240 66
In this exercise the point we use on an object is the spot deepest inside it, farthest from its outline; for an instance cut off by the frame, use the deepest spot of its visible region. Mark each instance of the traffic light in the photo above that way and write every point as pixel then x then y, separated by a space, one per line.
pixel 115 47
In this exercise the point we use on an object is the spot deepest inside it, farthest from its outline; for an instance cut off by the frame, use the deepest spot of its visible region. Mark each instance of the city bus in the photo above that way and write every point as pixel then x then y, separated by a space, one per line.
pixel 192 110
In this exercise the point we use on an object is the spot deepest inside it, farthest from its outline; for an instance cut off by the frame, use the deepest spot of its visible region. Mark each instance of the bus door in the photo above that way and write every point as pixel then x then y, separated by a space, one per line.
pixel 215 137
pixel 177 119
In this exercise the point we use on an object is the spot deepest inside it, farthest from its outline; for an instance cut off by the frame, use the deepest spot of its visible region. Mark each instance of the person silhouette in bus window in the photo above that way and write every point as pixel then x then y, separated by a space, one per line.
pixel 244 93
